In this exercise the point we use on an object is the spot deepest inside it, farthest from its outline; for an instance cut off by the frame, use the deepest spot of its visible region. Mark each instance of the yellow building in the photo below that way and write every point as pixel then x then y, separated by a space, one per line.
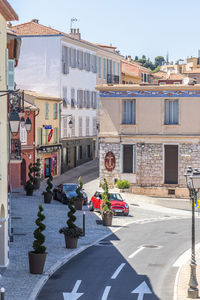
pixel 47 132
pixel 6 14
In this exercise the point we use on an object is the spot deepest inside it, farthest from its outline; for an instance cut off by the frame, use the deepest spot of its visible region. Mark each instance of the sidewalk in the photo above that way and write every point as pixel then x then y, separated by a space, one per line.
pixel 17 280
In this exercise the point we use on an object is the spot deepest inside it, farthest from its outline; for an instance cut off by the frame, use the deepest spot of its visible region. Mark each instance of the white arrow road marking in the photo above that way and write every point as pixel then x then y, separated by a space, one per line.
pixel 136 252
pixel 116 273
pixel 106 292
pixel 141 290
pixel 73 295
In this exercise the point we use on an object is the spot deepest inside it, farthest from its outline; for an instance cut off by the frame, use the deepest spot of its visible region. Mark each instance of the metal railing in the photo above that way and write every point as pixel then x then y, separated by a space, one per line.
pixel 112 78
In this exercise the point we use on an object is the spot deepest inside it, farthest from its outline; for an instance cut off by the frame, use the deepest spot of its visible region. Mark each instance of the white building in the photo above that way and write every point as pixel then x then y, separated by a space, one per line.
pixel 65 66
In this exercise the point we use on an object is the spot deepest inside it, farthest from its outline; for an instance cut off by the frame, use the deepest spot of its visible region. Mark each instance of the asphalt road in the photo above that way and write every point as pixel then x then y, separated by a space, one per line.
pixel 137 258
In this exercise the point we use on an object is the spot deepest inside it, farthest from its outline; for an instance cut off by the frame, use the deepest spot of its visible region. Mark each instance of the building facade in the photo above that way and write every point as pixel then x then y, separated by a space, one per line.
pixel 22 148
pixel 66 66
pixel 47 132
pixel 149 136
pixel 6 14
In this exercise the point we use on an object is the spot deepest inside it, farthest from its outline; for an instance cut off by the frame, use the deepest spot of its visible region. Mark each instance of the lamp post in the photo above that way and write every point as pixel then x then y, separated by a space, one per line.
pixel 193 184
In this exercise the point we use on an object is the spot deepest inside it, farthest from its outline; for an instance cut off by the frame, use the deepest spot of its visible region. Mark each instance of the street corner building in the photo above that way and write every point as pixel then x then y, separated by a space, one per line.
pixel 6 14
pixel 149 135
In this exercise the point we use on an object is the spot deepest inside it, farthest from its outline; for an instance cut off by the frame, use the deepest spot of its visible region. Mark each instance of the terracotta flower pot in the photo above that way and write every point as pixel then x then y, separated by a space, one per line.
pixel 78 203
pixel 29 192
pixel 107 219
pixel 70 242
pixel 47 197
pixel 36 262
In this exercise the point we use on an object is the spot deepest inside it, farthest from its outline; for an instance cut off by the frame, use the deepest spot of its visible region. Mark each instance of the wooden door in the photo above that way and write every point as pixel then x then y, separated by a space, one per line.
pixel 171 164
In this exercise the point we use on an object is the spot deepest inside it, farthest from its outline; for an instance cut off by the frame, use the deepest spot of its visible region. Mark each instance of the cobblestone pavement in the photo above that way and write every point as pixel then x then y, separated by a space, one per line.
pixel 16 279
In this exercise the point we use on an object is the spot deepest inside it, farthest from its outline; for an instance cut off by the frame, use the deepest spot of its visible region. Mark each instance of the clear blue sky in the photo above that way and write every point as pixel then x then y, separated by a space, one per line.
pixel 136 27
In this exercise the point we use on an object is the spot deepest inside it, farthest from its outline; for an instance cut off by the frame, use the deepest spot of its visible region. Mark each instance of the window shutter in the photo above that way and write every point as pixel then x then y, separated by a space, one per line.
pixel 85 99
pixel 85 61
pixel 10 74
pixel 104 68
pixel 175 112
pixel 167 112
pixel 55 135
pixel 57 117
pixel 75 61
pixel 70 57
pixel 39 136
pixel 46 110
pixel 78 58
pixel 46 136
pixel 81 60
pixel 95 100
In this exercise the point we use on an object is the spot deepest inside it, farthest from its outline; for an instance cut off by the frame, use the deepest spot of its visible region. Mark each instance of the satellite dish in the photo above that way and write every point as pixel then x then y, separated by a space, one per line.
pixel 186 80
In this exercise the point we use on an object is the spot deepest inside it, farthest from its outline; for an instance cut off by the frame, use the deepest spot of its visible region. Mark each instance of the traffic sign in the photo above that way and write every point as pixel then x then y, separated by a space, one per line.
pixel 50 135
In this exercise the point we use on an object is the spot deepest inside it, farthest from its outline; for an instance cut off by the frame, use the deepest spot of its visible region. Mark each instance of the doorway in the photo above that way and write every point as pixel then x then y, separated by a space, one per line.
pixel 47 167
pixel 23 172
pixel 75 156
pixel 171 164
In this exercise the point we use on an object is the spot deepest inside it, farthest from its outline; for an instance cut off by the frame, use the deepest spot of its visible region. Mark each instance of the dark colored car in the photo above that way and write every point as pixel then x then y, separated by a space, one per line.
pixel 64 192
pixel 118 205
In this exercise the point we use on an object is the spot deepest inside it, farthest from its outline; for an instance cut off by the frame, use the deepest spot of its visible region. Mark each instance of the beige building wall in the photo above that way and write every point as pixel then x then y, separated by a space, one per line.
pixel 150 136
pixel 3 148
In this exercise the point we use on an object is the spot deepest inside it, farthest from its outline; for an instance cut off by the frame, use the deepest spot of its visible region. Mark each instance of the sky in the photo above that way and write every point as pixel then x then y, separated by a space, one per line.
pixel 135 27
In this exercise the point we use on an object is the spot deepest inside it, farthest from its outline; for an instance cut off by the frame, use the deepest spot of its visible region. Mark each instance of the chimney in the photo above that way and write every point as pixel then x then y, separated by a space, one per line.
pixel 129 57
pixel 75 33
pixel 35 21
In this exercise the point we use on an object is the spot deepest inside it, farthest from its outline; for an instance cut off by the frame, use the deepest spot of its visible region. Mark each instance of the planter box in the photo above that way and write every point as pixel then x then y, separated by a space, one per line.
pixel 36 262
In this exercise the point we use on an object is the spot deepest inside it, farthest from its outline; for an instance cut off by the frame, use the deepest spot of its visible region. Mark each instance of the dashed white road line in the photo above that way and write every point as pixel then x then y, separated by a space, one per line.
pixel 116 273
pixel 136 252
pixel 106 292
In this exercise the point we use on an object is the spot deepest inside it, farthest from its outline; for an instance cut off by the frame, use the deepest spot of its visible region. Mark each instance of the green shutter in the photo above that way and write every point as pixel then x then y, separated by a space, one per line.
pixel 41 133
pixel 54 111
pixel 46 110
pixel 57 111
pixel 46 136
pixel 55 135
pixel 39 136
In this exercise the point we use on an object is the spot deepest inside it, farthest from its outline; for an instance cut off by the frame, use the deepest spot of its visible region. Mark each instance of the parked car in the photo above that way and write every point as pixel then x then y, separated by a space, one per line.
pixel 64 192
pixel 118 205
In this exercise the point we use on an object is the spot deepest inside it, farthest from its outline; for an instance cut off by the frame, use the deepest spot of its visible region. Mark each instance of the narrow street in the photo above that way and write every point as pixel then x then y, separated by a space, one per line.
pixel 115 267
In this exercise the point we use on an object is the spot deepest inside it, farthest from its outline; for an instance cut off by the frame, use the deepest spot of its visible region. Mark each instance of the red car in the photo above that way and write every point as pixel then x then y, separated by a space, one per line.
pixel 118 205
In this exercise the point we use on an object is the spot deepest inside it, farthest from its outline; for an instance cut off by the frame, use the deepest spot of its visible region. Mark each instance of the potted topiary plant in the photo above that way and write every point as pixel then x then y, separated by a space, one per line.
pixel 71 232
pixel 29 186
pixel 79 199
pixel 106 210
pixel 37 178
pixel 38 256
pixel 48 194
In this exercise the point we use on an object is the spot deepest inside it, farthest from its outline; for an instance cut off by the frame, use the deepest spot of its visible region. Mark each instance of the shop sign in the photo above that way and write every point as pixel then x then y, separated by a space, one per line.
pixel 50 135
pixel 109 161
pixel 47 127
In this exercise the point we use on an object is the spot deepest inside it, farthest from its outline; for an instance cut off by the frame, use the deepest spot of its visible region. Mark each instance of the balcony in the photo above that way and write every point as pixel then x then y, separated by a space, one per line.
pixel 15 149
pixel 112 78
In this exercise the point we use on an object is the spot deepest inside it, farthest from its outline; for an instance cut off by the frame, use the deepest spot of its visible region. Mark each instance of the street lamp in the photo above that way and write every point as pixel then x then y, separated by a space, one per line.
pixel 28 124
pixel 70 124
pixel 193 184
pixel 14 121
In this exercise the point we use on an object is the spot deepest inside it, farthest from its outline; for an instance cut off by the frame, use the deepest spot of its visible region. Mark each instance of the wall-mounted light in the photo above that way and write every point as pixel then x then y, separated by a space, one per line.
pixel 14 122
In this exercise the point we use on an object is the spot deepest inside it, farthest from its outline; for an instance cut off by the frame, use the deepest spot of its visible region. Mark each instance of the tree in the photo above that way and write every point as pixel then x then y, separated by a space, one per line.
pixel 38 235
pixel 136 58
pixel 159 60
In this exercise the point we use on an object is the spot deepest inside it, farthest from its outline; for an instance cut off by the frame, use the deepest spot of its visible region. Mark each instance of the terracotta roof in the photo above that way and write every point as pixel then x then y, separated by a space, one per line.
pixel 30 106
pixel 41 95
pixel 33 28
pixel 194 71
pixel 7 11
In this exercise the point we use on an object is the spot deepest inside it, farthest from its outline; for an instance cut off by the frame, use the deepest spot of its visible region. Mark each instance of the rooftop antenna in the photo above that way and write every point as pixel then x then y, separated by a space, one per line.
pixel 73 20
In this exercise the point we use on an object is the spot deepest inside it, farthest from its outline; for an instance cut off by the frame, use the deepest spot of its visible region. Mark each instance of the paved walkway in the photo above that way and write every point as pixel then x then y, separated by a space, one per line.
pixel 16 279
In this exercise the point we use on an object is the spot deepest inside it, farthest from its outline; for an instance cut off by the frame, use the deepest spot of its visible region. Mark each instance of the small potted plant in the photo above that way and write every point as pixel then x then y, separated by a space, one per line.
pixel 107 213
pixel 79 199
pixel 71 232
pixel 38 256
pixel 37 178
pixel 29 186
pixel 48 194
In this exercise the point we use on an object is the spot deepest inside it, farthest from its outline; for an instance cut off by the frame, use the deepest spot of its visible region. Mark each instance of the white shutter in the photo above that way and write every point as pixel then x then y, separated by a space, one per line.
pixel 23 135
pixel 10 74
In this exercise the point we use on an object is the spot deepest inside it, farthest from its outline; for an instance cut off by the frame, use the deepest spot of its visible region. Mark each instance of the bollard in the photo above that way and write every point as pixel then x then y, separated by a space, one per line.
pixel 83 223
pixel 2 291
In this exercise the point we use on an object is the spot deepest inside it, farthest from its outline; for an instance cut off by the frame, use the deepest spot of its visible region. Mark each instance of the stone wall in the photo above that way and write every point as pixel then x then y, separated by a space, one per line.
pixel 103 173
pixel 149 164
